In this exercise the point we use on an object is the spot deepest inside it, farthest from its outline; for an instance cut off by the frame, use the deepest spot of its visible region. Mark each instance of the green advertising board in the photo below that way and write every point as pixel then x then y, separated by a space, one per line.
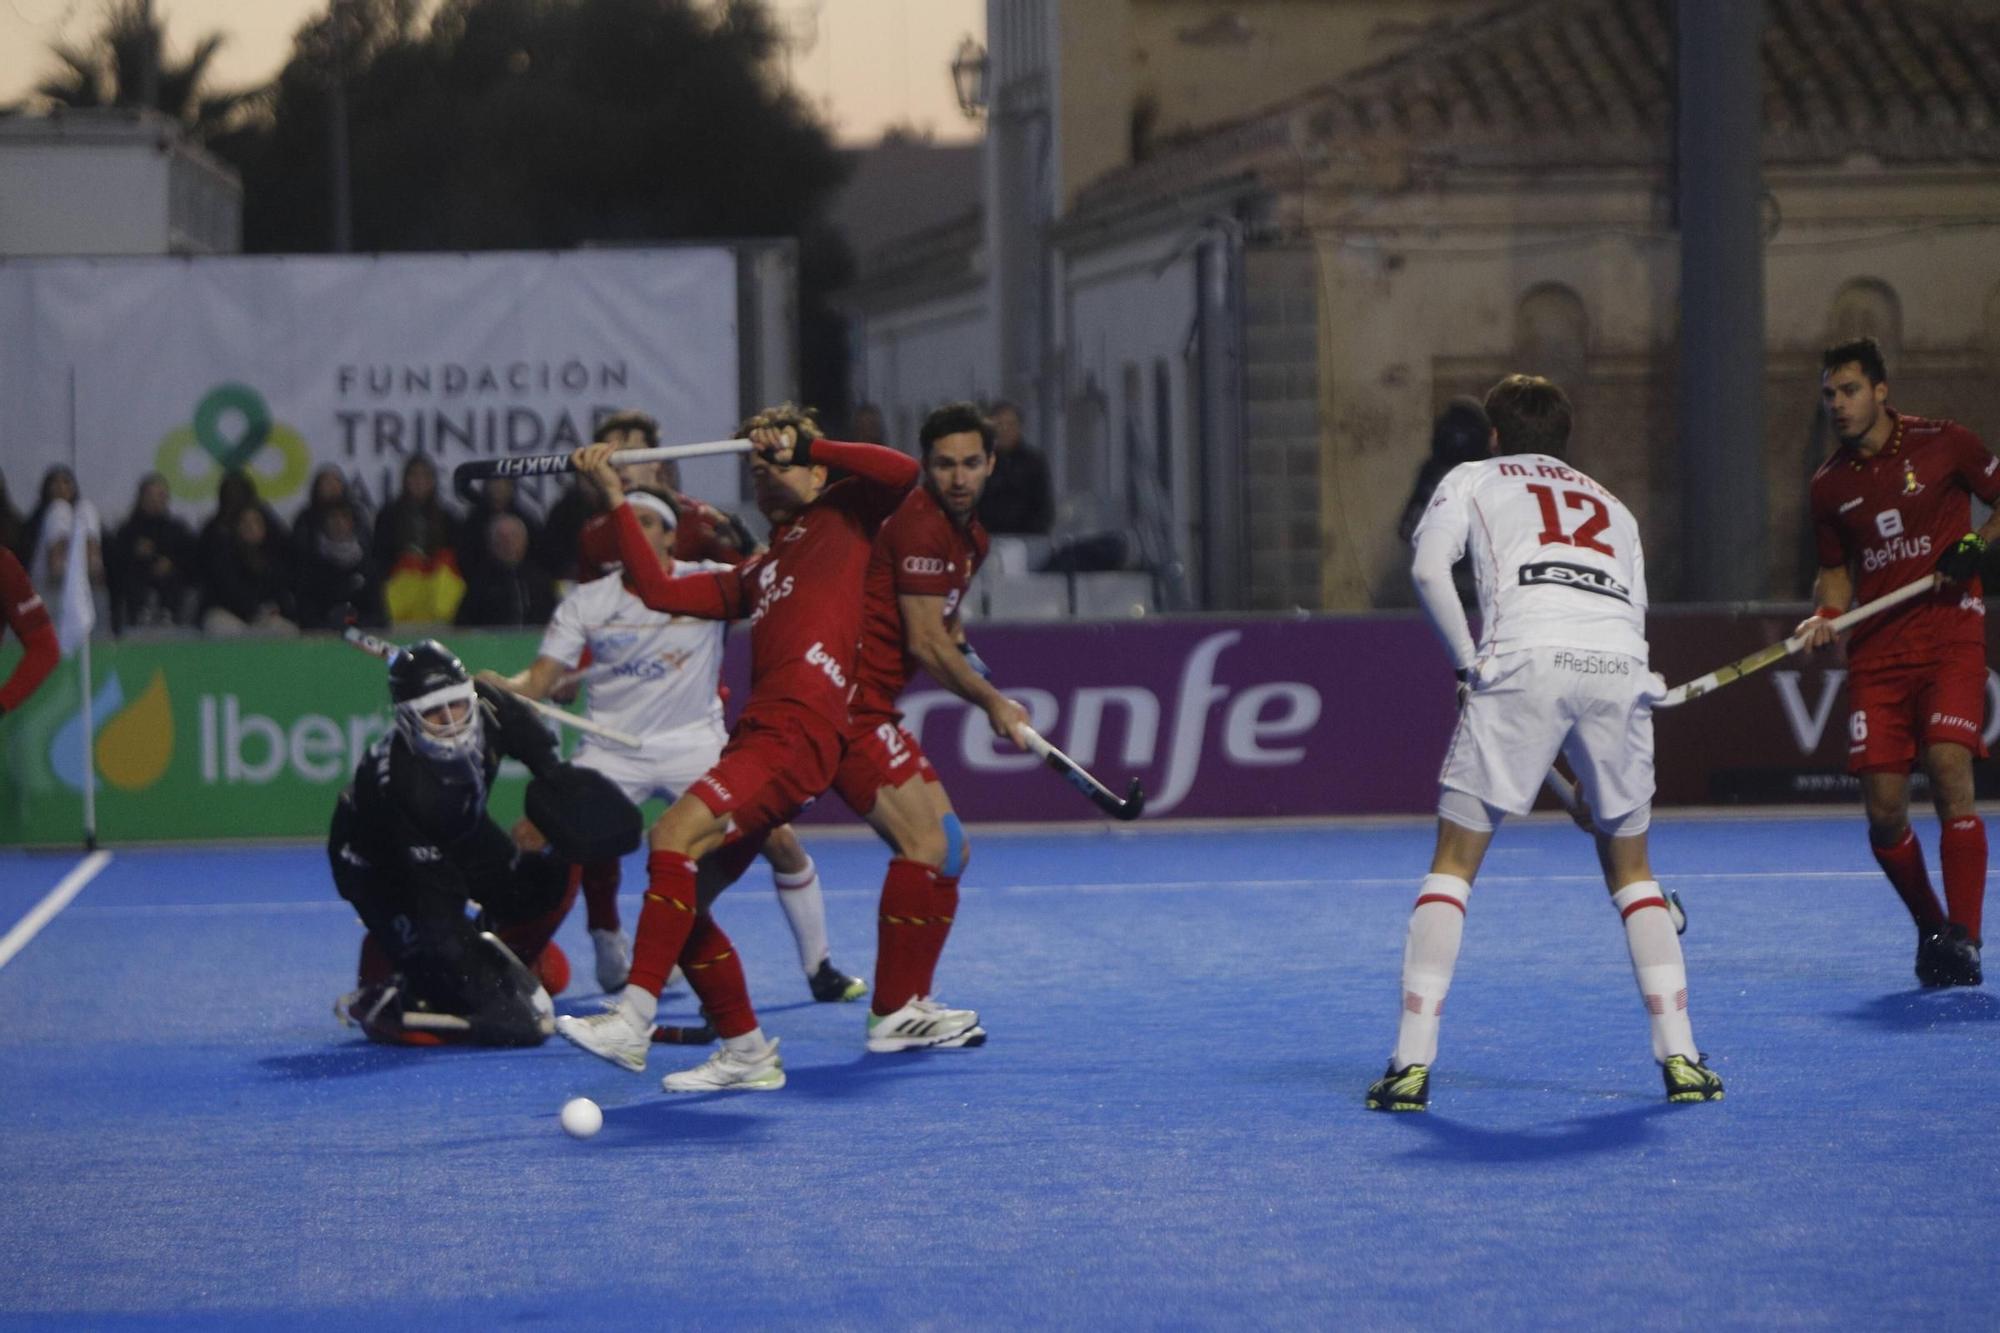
pixel 209 738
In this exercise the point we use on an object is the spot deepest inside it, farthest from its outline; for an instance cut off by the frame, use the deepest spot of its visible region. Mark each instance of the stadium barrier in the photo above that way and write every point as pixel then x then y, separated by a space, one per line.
pixel 1219 717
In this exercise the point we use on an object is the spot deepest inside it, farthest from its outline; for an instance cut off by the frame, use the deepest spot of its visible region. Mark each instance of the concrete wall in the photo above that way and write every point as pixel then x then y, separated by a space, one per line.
pixel 910 361
pixel 1492 283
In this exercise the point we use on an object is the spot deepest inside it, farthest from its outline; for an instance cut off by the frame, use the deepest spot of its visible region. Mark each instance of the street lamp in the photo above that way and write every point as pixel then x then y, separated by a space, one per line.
pixel 968 77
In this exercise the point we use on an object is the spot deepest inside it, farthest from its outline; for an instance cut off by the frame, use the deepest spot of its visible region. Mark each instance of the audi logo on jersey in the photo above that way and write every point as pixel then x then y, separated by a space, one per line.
pixel 923 564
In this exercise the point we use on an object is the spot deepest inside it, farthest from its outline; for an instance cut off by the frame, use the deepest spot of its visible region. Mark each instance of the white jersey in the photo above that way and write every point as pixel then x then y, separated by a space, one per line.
pixel 1555 555
pixel 650 672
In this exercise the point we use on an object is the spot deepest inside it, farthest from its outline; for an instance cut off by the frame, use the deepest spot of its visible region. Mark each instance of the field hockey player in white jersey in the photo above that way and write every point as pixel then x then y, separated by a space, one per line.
pixel 653 676
pixel 1559 667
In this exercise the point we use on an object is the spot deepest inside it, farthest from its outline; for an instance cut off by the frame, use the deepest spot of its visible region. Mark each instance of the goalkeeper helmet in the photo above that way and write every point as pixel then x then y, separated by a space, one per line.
pixel 436 708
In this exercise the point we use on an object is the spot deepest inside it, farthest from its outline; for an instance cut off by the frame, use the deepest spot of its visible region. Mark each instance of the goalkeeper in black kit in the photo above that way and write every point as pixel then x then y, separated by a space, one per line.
pixel 412 845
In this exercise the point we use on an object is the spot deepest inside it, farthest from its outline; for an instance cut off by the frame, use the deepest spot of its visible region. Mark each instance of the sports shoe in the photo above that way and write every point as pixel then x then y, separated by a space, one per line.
pixel 1405 1089
pixel 923 1023
pixel 1961 954
pixel 1934 961
pixel 614 959
pixel 830 985
pixel 732 1071
pixel 613 1035
pixel 1690 1080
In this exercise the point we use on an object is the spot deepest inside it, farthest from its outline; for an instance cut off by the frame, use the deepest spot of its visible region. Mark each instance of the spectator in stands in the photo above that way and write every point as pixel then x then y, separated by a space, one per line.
pixel 151 565
pixel 867 425
pixel 13 527
pixel 248 586
pixel 216 546
pixel 329 490
pixel 579 504
pixel 333 574
pixel 416 521
pixel 55 518
pixel 1461 434
pixel 497 496
pixel 1018 496
pixel 508 587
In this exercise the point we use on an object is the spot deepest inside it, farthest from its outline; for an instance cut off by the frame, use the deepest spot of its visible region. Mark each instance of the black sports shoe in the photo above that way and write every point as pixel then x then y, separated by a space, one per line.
pixel 1406 1089
pixel 830 985
pixel 1934 960
pixel 1961 953
pixel 1690 1080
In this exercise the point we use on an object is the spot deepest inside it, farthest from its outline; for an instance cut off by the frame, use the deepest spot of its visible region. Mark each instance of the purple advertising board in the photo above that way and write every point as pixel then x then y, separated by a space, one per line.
pixel 1343 715
pixel 1217 717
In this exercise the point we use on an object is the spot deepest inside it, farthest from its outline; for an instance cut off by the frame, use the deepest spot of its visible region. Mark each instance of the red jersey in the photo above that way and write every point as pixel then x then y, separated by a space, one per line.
pixel 920 552
pixel 702 533
pixel 1888 518
pixel 803 594
pixel 29 620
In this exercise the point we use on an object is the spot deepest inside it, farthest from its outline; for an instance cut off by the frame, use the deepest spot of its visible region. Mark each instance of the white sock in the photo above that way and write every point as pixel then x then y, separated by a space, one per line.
pixel 1659 967
pixel 752 1042
pixel 805 908
pixel 641 1003
pixel 1430 953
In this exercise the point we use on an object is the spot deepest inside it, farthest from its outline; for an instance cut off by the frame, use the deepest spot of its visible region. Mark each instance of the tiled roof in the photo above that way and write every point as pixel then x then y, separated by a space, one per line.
pixel 1588 82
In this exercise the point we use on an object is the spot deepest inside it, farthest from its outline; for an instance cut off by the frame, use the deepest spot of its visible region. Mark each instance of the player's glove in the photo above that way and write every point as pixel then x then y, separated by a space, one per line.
pixel 976 662
pixel 521 733
pixel 1961 562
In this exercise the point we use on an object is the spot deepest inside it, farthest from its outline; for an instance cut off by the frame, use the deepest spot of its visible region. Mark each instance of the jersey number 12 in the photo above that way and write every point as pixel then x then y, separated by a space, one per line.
pixel 1585 536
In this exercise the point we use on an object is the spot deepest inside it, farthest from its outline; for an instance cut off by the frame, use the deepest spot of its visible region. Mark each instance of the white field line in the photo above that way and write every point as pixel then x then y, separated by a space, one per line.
pixel 45 911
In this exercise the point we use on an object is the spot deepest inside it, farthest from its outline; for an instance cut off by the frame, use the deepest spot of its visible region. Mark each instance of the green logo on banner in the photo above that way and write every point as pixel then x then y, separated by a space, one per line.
pixel 232 428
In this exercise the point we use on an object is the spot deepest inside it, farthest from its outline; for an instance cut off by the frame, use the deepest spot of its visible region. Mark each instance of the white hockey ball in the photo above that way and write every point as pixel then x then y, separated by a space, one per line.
pixel 581 1117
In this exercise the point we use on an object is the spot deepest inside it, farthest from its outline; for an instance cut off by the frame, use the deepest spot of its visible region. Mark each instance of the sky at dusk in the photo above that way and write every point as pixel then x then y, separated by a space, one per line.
pixel 867 64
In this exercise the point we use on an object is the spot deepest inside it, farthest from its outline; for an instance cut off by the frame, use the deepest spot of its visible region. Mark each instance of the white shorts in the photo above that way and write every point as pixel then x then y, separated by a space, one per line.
pixel 665 764
pixel 1593 707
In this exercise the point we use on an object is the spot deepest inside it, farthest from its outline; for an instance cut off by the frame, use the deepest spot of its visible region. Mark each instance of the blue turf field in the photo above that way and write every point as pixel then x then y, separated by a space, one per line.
pixel 1165 1131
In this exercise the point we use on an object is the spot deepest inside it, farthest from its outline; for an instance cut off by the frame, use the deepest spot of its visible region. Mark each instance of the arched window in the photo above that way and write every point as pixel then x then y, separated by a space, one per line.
pixel 1551 333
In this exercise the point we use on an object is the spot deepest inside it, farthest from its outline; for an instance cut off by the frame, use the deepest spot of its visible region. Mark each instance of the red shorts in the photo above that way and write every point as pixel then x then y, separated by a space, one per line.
pixel 877 753
pixel 778 760
pixel 1897 708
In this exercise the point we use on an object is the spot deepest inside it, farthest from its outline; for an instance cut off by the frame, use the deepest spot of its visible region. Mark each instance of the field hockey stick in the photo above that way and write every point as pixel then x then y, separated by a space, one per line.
pixel 383 649
pixel 545 465
pixel 1564 791
pixel 1074 774
pixel 1778 652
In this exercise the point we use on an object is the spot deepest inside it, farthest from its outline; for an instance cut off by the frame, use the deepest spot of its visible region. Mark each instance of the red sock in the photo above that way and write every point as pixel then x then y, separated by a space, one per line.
pixel 528 938
pixel 900 924
pixel 1904 865
pixel 600 894
pixel 715 974
pixel 665 918
pixel 1962 853
pixel 936 930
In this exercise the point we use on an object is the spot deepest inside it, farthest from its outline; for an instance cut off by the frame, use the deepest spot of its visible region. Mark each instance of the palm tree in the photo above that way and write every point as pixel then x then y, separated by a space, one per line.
pixel 125 65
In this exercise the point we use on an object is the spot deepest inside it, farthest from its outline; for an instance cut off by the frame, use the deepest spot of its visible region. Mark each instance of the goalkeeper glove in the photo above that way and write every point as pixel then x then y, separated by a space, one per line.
pixel 1961 562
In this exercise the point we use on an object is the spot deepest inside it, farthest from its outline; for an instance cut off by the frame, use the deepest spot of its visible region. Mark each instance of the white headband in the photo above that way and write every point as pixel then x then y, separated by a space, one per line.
pixel 656 504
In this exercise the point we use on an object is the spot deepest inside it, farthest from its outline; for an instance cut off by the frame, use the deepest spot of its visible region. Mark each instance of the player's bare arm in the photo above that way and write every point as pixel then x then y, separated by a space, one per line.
pixel 538 680
pixel 932 643
pixel 1832 592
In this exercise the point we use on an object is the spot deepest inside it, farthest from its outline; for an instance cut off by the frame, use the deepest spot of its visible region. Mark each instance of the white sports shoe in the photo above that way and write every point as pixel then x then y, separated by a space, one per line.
pixel 614 959
pixel 924 1023
pixel 613 1035
pixel 732 1071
